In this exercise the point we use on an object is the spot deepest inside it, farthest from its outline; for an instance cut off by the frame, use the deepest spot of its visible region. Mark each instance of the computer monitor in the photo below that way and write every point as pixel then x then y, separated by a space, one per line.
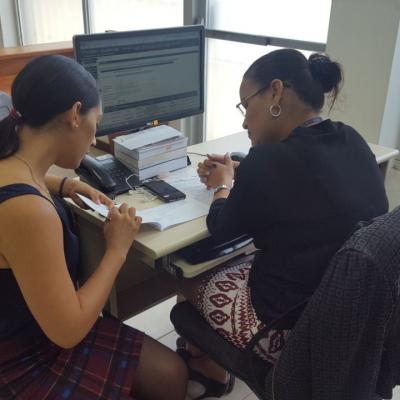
pixel 145 77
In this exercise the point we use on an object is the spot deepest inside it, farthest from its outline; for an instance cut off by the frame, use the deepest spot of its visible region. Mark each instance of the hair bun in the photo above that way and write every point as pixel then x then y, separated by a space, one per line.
pixel 327 72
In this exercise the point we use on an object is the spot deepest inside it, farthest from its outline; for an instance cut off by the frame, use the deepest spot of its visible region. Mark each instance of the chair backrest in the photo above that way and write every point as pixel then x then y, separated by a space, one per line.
pixel 5 105
pixel 337 349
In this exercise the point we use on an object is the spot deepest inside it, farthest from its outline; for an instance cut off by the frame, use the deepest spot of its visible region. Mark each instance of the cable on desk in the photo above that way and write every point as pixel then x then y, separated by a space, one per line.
pixel 197 154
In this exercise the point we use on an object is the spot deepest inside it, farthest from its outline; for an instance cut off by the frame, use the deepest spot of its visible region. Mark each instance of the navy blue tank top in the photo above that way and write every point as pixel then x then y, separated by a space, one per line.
pixel 15 318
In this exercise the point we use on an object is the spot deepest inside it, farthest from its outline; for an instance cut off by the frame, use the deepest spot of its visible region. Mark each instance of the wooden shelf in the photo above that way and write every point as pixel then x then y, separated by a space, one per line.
pixel 13 59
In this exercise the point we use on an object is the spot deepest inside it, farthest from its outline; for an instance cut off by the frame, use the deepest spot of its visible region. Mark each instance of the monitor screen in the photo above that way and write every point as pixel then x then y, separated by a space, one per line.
pixel 145 76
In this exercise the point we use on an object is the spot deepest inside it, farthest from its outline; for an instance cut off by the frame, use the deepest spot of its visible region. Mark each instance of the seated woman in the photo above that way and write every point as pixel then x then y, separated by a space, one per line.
pixel 53 345
pixel 299 192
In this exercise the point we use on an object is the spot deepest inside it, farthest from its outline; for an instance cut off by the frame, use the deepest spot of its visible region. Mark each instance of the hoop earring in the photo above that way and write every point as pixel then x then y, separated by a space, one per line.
pixel 271 110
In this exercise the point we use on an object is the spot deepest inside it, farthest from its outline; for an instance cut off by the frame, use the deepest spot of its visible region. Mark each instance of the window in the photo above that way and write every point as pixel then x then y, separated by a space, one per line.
pixel 125 15
pixel 228 60
pixel 44 21
pixel 291 19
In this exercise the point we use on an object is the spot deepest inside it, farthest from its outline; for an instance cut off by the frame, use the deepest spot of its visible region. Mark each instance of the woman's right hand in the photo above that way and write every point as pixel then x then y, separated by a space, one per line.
pixel 121 229
pixel 217 170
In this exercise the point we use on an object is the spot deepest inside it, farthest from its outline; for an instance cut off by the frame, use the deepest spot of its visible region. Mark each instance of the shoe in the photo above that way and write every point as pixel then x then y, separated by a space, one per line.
pixel 212 388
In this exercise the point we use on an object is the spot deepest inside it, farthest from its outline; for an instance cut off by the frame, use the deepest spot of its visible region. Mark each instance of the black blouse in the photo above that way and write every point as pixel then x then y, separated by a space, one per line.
pixel 299 199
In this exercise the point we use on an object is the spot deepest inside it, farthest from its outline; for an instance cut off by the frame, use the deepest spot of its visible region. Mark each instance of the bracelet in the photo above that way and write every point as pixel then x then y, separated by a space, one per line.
pixel 60 190
pixel 221 187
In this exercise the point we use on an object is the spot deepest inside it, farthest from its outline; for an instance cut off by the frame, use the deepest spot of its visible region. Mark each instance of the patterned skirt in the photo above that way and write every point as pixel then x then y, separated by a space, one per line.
pixel 102 366
pixel 224 300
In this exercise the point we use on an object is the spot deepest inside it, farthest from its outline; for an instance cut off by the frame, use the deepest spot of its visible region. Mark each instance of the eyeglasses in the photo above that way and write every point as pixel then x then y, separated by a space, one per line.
pixel 240 106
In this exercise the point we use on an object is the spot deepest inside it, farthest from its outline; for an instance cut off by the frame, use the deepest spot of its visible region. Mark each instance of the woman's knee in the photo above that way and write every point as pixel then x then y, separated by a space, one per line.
pixel 172 368
pixel 161 373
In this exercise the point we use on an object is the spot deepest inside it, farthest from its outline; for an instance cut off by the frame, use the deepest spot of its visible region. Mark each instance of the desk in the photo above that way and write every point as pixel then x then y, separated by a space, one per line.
pixel 143 280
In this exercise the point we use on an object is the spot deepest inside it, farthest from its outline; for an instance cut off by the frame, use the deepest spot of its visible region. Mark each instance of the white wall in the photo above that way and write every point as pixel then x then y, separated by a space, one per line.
pixel 363 36
pixel 390 129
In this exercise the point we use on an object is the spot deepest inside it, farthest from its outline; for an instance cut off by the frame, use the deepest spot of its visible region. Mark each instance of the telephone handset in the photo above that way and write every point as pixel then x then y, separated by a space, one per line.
pixel 95 173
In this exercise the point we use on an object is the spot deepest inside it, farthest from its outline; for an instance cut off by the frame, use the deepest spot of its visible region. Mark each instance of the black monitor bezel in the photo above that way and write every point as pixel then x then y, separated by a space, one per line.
pixel 78 39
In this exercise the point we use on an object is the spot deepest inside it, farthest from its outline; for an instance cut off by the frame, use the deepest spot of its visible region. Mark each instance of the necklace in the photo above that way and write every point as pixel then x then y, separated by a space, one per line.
pixel 44 188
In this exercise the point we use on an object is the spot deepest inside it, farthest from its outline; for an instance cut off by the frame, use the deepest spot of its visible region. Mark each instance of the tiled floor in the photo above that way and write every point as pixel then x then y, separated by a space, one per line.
pixel 164 331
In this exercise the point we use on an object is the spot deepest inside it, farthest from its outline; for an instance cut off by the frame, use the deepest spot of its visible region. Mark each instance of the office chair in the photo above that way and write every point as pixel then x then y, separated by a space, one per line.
pixel 5 105
pixel 346 343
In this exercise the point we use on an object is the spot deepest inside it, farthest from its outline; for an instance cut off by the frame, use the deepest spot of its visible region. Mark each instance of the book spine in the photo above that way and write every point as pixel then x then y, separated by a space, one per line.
pixel 125 159
pixel 162 157
pixel 167 166
pixel 150 161
pixel 152 150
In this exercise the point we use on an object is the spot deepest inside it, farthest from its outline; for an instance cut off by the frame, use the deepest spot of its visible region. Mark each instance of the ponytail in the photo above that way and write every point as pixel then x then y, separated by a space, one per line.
pixel 328 73
pixel 9 139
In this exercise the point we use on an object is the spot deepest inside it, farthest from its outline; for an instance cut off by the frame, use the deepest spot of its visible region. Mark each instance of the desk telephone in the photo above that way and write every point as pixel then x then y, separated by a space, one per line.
pixel 106 173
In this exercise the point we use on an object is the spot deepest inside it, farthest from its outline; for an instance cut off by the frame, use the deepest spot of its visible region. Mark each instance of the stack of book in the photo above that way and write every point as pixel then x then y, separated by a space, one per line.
pixel 152 151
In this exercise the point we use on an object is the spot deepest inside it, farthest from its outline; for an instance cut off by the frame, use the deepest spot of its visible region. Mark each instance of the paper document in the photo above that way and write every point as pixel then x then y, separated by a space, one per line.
pixel 163 216
pixel 147 136
pixel 187 181
pixel 100 208
pixel 171 214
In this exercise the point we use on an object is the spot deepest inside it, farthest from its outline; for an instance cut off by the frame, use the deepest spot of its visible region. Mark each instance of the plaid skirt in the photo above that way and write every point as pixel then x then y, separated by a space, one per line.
pixel 224 300
pixel 102 366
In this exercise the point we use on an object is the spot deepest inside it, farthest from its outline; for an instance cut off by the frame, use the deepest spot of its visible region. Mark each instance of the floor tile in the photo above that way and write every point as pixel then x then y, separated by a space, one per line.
pixel 169 340
pixel 154 322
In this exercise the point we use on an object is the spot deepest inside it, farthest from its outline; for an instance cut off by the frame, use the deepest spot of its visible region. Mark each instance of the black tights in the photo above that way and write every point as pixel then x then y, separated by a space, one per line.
pixel 161 373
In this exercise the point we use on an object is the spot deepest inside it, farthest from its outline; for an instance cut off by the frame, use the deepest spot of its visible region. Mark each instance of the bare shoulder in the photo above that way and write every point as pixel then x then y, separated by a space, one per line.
pixel 27 215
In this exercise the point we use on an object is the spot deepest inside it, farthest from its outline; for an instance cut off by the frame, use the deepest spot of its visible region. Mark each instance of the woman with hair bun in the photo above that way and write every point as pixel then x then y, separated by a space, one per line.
pixel 53 344
pixel 299 192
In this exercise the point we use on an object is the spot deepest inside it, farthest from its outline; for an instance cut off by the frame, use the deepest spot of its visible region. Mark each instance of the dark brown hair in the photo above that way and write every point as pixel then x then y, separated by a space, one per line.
pixel 310 79
pixel 45 87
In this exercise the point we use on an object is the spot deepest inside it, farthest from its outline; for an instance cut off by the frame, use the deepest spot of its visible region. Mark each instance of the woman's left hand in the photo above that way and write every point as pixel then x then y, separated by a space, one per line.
pixel 73 187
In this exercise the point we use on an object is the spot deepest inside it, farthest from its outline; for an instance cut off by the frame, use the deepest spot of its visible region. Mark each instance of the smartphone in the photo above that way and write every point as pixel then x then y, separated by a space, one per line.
pixel 164 191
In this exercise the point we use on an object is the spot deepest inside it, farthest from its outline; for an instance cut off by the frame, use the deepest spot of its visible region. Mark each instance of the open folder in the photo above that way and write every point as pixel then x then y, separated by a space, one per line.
pixel 162 216
pixel 196 204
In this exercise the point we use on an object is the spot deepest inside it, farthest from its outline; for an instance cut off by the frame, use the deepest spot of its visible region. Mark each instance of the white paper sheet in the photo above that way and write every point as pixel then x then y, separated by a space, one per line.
pixel 171 214
pixel 163 216
pixel 100 208
pixel 187 181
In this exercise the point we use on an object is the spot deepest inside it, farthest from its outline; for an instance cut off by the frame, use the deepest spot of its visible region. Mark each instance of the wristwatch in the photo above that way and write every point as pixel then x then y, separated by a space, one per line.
pixel 221 187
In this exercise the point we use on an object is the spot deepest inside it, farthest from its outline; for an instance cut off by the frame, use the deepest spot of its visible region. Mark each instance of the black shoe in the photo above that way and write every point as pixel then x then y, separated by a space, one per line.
pixel 212 387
